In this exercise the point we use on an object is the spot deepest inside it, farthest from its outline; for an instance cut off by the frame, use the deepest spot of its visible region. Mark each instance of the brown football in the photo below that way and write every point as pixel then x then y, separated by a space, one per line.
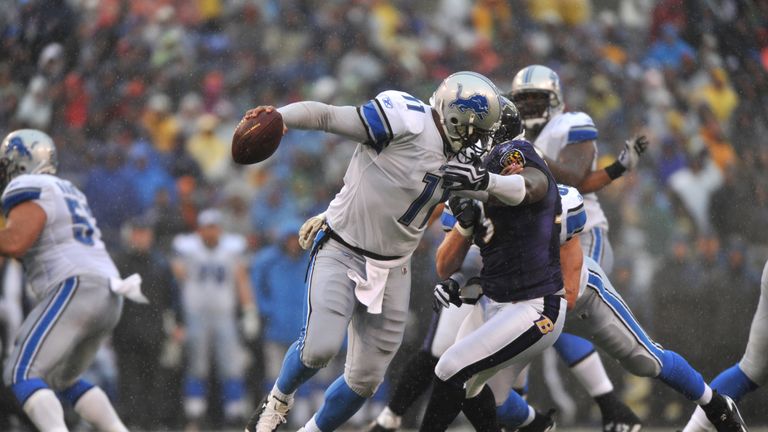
pixel 255 139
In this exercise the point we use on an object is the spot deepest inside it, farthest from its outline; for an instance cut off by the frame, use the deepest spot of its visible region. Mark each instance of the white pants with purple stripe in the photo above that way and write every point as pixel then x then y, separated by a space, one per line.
pixel 596 245
pixel 498 336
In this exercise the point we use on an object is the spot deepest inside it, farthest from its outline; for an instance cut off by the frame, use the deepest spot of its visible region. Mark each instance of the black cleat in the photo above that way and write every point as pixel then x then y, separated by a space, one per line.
pixel 620 418
pixel 541 423
pixel 724 414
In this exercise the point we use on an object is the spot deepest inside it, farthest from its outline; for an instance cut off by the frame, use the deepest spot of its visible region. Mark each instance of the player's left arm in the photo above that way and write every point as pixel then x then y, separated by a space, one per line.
pixel 571 260
pixel 451 252
pixel 22 228
pixel 626 162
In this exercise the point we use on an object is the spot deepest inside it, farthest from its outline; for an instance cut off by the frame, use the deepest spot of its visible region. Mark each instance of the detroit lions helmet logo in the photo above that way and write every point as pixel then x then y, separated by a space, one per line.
pixel 476 103
pixel 17 144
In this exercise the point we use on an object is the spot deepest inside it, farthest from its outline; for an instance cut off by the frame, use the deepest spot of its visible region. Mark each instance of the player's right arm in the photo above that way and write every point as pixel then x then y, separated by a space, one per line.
pixel 23 226
pixel 375 123
pixel 574 163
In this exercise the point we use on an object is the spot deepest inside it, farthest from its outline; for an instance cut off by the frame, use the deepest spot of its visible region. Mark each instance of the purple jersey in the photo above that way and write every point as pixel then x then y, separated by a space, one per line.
pixel 522 259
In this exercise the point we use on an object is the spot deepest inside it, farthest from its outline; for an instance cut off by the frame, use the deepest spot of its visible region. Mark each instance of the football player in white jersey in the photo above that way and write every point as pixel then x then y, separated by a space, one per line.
pixel 214 281
pixel 751 371
pixel 49 226
pixel 568 142
pixel 598 312
pixel 359 277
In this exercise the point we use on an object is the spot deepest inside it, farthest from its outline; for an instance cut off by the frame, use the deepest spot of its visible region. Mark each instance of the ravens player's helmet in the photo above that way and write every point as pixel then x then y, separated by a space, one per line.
pixel 26 151
pixel 511 124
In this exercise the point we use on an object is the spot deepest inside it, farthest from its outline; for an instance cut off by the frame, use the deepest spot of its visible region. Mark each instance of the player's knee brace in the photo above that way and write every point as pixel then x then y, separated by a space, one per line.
pixel 641 363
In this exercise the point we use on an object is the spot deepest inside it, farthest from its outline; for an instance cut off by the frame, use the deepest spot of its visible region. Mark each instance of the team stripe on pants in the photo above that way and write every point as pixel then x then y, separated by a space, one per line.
pixel 40 330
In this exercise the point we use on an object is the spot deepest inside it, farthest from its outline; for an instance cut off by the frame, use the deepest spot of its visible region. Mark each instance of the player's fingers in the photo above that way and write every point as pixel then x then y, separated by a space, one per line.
pixel 510 169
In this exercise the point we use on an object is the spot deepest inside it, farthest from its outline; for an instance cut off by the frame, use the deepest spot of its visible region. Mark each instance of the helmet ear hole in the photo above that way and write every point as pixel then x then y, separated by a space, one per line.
pixel 454 120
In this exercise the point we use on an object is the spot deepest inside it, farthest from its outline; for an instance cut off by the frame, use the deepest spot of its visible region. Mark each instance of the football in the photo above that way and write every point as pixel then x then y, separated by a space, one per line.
pixel 255 139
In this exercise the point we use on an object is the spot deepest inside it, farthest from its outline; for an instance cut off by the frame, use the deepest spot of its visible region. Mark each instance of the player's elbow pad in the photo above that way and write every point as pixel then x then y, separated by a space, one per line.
pixel 508 189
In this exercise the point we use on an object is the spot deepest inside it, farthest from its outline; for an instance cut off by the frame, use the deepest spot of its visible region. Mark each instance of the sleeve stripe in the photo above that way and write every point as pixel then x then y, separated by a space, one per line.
pixel 576 209
pixel 575 222
pixel 386 120
pixel 365 123
pixel 378 133
pixel 582 133
pixel 18 196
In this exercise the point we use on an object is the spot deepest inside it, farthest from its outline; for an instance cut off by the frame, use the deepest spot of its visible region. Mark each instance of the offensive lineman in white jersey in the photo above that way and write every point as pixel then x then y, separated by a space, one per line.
pixel 568 142
pixel 359 273
pixel 49 226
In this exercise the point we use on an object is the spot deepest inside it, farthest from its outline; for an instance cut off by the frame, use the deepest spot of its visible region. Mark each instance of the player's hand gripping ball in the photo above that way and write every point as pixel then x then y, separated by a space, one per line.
pixel 257 135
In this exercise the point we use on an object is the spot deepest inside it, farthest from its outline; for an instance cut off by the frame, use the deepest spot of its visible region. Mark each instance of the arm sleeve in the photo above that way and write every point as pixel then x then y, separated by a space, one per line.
pixel 339 120
pixel 28 188
pixel 582 129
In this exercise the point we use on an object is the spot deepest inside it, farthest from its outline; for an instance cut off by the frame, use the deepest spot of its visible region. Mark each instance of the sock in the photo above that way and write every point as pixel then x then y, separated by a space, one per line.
pixel 45 411
pixel 699 422
pixel 443 407
pixel 678 374
pixel 341 403
pixel 481 411
pixel 414 380
pixel 733 382
pixel 388 419
pixel 706 397
pixel 531 417
pixel 293 373
pixel 572 349
pixel 591 374
pixel 95 408
pixel 232 392
pixel 311 426
pixel 514 411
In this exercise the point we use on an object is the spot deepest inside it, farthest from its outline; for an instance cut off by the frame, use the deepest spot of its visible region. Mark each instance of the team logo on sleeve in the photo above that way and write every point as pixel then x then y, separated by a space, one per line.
pixel 387 102
pixel 513 156
pixel 476 103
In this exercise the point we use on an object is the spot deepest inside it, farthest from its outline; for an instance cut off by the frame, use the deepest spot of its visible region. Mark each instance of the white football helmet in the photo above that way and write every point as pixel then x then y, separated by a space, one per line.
pixel 26 151
pixel 536 93
pixel 469 107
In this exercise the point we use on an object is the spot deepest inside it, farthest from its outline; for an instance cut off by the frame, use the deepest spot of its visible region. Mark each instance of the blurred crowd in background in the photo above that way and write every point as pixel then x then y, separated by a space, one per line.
pixel 142 97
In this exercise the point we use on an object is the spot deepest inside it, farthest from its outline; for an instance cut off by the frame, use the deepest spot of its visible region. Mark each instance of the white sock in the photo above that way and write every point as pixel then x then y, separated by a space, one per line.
pixel 706 397
pixel 45 411
pixel 389 419
pixel 591 374
pixel 698 422
pixel 311 426
pixel 287 398
pixel 95 408
pixel 194 407
pixel 531 416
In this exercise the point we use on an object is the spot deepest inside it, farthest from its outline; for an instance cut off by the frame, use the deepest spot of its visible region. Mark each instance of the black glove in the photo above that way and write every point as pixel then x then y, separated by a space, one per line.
pixel 465 210
pixel 465 176
pixel 446 292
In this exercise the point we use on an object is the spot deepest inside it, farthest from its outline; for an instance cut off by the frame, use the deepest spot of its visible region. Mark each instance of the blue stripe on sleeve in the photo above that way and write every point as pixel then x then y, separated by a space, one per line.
pixel 582 133
pixel 19 196
pixel 575 221
pixel 448 221
pixel 377 130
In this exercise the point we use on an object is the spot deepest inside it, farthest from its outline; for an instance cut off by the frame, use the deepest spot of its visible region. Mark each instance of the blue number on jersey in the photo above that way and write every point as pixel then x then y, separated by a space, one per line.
pixel 418 107
pixel 82 229
pixel 431 180
pixel 215 272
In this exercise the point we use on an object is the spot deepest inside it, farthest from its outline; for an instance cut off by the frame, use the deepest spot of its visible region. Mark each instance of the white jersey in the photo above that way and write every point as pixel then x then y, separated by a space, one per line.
pixel 393 180
pixel 70 243
pixel 568 128
pixel 209 285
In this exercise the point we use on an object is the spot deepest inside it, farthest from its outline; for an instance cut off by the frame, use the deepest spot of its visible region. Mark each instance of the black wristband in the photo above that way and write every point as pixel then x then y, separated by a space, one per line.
pixel 615 170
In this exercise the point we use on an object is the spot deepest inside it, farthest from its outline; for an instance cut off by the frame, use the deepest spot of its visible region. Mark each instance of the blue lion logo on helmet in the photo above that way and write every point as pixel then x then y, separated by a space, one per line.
pixel 17 144
pixel 476 103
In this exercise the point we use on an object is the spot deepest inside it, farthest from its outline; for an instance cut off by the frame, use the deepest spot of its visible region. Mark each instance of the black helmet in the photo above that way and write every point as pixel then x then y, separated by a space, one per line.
pixel 511 124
